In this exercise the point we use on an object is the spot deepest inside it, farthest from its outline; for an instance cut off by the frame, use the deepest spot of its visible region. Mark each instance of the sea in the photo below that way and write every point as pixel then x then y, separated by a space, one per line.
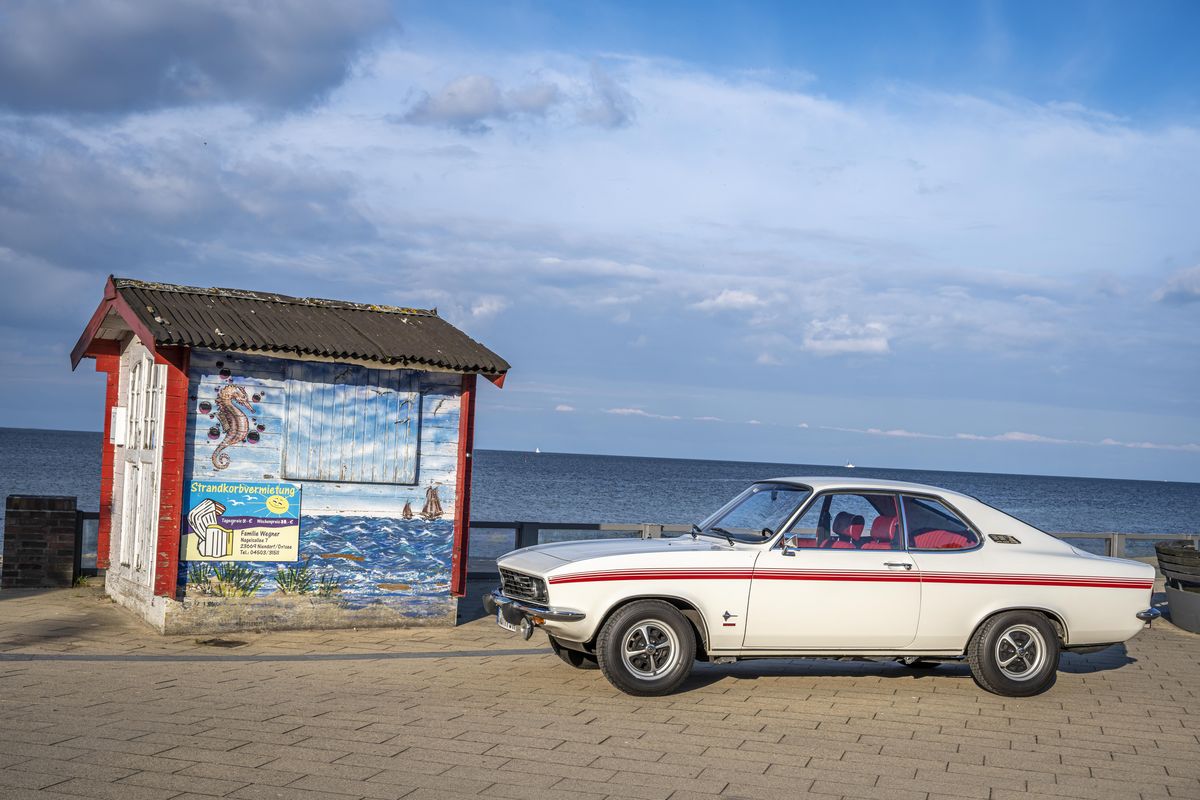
pixel 567 487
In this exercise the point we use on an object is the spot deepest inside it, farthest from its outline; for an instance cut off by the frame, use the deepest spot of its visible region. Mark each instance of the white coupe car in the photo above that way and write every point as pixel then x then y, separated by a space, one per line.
pixel 829 567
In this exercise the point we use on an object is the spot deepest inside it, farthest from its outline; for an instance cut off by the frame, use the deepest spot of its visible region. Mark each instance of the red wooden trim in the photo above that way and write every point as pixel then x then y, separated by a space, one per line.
pixel 170 494
pixel 103 347
pixel 114 302
pixel 462 493
pixel 110 364
pixel 89 330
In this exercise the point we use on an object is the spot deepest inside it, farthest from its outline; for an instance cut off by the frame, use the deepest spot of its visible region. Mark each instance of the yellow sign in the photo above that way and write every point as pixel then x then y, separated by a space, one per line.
pixel 243 521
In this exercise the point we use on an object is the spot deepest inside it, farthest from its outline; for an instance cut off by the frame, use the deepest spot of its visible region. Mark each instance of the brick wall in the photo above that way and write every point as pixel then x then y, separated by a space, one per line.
pixel 39 541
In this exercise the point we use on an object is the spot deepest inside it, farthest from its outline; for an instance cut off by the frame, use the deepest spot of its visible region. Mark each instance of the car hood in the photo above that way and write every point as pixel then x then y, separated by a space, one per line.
pixel 545 557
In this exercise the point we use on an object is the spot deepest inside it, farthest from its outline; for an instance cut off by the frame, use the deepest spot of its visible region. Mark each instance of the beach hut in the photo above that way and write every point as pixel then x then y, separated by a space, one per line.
pixel 281 462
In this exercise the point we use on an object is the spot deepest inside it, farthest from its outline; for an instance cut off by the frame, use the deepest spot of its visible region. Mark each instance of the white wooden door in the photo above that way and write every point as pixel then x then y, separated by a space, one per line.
pixel 142 468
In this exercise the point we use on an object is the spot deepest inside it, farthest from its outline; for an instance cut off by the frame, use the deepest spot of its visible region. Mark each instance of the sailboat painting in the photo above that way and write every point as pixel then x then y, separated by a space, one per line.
pixel 406 513
pixel 433 505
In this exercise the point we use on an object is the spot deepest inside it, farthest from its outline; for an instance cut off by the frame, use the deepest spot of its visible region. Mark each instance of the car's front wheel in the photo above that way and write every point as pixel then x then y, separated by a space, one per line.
pixel 646 648
pixel 1015 654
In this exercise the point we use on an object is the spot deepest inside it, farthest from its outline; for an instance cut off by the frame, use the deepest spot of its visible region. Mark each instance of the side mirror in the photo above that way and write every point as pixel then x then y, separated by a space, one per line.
pixel 787 547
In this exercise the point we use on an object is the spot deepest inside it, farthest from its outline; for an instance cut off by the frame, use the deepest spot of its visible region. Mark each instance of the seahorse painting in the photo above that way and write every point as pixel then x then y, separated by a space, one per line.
pixel 233 421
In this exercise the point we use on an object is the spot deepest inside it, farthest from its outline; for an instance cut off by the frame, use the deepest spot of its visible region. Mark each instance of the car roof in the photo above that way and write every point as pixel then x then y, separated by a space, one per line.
pixel 825 483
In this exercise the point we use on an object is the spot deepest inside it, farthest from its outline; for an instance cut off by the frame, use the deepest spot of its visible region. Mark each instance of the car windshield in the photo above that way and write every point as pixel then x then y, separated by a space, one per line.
pixel 757 513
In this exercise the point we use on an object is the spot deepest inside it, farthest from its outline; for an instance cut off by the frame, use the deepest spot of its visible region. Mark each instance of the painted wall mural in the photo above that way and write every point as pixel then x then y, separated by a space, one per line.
pixel 234 423
pixel 377 525
pixel 229 409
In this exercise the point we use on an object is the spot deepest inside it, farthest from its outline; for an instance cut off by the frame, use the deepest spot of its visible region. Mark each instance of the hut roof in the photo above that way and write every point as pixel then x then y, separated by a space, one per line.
pixel 239 320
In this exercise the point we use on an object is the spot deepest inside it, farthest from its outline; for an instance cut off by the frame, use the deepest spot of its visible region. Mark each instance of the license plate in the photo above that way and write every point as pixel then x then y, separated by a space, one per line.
pixel 503 623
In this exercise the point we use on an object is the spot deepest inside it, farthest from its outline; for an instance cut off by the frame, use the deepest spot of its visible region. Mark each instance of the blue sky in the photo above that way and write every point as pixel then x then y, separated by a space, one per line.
pixel 932 235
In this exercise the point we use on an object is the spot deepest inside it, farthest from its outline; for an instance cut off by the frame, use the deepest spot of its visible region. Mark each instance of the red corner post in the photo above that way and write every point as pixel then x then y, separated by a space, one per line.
pixel 108 360
pixel 462 493
pixel 174 448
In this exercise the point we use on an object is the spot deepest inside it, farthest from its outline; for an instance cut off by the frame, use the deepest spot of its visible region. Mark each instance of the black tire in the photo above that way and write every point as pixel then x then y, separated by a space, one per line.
pixel 573 658
pixel 659 647
pixel 916 662
pixel 1015 654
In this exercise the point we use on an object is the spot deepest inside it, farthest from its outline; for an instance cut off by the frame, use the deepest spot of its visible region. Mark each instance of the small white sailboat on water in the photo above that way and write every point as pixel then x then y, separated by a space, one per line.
pixel 537 450
pixel 849 464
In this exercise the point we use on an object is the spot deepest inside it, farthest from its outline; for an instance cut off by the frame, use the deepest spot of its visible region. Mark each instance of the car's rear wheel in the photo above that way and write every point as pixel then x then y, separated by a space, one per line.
pixel 1015 654
pixel 575 658
pixel 646 648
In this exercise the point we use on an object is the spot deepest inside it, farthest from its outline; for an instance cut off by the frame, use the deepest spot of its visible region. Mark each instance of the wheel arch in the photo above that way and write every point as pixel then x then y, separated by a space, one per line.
pixel 1055 617
pixel 686 607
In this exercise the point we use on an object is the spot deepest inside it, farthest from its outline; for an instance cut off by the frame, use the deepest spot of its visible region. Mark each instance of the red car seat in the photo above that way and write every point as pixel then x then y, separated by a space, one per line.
pixel 941 540
pixel 848 529
pixel 883 534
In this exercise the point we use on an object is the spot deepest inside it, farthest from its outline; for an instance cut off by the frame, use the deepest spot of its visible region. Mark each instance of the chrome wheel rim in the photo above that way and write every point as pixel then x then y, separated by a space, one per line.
pixel 1020 652
pixel 650 649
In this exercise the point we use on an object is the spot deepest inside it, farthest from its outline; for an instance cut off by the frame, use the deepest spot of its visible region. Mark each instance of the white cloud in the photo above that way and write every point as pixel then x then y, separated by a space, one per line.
pixel 468 102
pixel 842 336
pixel 707 419
pixel 1179 448
pixel 729 300
pixel 563 407
pixel 903 434
pixel 1016 436
pixel 898 433
pixel 610 104
pixel 882 223
pixel 1181 287
pixel 638 412
pixel 124 55
pixel 488 307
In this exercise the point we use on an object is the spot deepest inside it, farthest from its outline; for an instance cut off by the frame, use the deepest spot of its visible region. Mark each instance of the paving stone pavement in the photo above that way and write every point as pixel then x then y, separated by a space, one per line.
pixel 94 704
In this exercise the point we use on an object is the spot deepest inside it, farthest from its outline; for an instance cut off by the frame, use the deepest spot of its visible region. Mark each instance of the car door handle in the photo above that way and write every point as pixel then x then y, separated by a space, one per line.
pixel 904 564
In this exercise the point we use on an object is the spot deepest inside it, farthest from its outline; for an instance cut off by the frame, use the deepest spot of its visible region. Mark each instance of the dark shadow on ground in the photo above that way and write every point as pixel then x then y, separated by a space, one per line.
pixel 706 674
pixel 206 657
pixel 470 605
pixel 1114 657
pixel 22 593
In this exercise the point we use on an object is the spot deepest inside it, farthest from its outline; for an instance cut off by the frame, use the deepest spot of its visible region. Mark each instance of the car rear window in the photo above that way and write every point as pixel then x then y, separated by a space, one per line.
pixel 931 525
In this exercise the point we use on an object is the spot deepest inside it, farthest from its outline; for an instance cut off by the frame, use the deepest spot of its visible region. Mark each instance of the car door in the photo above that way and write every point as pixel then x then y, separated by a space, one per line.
pixel 840 579
pixel 959 586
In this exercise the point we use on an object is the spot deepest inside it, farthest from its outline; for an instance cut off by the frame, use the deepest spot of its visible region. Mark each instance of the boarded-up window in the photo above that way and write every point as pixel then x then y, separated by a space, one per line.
pixel 350 423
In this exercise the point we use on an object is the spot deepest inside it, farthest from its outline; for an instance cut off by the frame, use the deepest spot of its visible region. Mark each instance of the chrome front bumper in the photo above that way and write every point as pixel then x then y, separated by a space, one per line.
pixel 1149 615
pixel 514 610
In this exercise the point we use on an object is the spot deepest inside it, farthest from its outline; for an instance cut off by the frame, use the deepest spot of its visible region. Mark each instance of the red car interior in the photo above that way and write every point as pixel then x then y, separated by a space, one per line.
pixel 884 532
pixel 941 540
pixel 847 528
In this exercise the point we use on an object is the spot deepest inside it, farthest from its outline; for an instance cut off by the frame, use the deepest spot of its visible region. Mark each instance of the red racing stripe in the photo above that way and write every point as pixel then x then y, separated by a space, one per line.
pixel 976 578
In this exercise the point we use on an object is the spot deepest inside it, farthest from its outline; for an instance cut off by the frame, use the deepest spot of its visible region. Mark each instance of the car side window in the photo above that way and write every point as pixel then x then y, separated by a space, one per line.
pixel 933 526
pixel 848 521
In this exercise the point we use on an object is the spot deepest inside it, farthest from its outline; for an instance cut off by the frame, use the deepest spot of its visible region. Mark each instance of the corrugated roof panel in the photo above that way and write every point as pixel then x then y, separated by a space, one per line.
pixel 321 328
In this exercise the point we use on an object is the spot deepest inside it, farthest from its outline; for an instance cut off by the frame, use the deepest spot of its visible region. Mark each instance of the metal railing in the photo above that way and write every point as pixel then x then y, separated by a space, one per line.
pixel 1115 543
pixel 527 534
